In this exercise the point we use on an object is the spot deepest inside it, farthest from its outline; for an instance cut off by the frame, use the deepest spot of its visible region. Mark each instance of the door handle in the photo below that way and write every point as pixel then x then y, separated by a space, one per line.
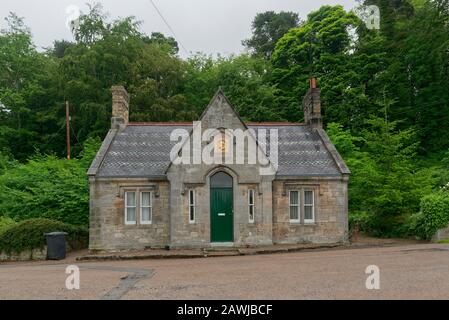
pixel 222 214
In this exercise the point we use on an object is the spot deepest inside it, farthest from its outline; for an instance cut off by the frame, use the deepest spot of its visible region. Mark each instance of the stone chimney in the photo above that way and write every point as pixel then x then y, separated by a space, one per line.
pixel 120 107
pixel 312 106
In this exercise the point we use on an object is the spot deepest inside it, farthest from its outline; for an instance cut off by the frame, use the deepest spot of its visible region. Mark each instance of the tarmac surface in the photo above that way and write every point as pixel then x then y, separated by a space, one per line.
pixel 409 271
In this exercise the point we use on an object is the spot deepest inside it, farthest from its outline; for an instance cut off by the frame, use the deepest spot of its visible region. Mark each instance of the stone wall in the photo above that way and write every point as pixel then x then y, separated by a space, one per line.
pixel 260 231
pixel 107 216
pixel 331 218
pixel 171 226
pixel 197 234
pixel 26 255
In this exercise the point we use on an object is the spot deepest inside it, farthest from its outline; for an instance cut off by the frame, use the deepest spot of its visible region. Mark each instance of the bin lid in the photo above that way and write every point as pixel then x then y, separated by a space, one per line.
pixel 56 233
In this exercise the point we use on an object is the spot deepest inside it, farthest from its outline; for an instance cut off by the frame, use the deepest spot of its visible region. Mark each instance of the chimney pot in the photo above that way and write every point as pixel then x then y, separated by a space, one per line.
pixel 313 83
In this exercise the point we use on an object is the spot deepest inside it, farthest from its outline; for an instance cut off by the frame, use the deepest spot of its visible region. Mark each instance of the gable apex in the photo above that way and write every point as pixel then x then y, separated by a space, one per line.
pixel 219 107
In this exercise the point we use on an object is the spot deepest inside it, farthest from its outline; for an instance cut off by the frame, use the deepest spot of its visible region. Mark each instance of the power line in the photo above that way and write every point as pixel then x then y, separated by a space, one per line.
pixel 52 137
pixel 74 134
pixel 168 26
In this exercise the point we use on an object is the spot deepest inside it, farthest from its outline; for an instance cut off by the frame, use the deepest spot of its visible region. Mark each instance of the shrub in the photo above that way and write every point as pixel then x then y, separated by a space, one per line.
pixel 29 234
pixel 384 226
pixel 359 222
pixel 48 187
pixel 434 215
pixel 385 183
pixel 5 223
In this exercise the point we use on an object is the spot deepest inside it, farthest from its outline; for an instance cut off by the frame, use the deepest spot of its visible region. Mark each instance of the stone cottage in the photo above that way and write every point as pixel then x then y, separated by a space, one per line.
pixel 178 185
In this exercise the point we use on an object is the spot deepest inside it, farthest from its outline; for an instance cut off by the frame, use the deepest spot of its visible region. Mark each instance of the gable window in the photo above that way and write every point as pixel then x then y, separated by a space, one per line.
pixel 294 206
pixel 251 205
pixel 130 208
pixel 146 207
pixel 192 201
pixel 309 206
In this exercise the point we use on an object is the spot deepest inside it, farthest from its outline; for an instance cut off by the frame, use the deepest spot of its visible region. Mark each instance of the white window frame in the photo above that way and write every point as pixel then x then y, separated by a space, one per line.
pixel 192 205
pixel 142 206
pixel 290 205
pixel 127 222
pixel 309 205
pixel 251 205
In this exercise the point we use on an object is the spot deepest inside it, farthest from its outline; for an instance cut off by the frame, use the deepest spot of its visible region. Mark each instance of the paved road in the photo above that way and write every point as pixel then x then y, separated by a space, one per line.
pixel 406 272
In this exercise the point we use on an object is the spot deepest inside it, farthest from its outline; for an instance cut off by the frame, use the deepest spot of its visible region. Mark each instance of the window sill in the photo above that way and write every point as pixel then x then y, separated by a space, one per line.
pixel 139 225
pixel 298 223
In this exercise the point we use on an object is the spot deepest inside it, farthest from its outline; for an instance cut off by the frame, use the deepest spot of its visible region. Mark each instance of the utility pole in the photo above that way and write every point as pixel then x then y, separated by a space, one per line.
pixel 67 124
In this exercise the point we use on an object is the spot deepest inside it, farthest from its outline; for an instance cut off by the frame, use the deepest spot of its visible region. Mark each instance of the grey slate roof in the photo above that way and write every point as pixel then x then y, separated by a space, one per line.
pixel 302 152
pixel 144 151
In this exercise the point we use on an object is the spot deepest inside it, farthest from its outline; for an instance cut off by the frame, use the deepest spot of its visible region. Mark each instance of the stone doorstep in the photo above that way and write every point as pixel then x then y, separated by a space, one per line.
pixel 203 253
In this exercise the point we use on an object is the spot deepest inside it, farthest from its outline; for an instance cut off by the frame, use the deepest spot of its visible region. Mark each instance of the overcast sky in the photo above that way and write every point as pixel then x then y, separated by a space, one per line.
pixel 209 26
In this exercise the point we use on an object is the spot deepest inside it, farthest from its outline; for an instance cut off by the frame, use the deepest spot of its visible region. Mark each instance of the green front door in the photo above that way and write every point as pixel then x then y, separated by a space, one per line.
pixel 221 208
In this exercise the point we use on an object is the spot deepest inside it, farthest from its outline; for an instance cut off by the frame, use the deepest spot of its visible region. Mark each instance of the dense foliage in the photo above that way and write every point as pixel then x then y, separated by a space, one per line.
pixel 48 187
pixel 5 223
pixel 434 215
pixel 385 185
pixel 385 99
pixel 268 28
pixel 29 234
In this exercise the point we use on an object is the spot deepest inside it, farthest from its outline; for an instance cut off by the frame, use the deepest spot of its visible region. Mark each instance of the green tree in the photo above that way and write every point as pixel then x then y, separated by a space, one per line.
pixel 413 70
pixel 244 80
pixel 59 48
pixel 268 28
pixel 385 182
pixel 116 52
pixel 21 70
pixel 92 26
pixel 169 44
pixel 426 60
pixel 320 47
